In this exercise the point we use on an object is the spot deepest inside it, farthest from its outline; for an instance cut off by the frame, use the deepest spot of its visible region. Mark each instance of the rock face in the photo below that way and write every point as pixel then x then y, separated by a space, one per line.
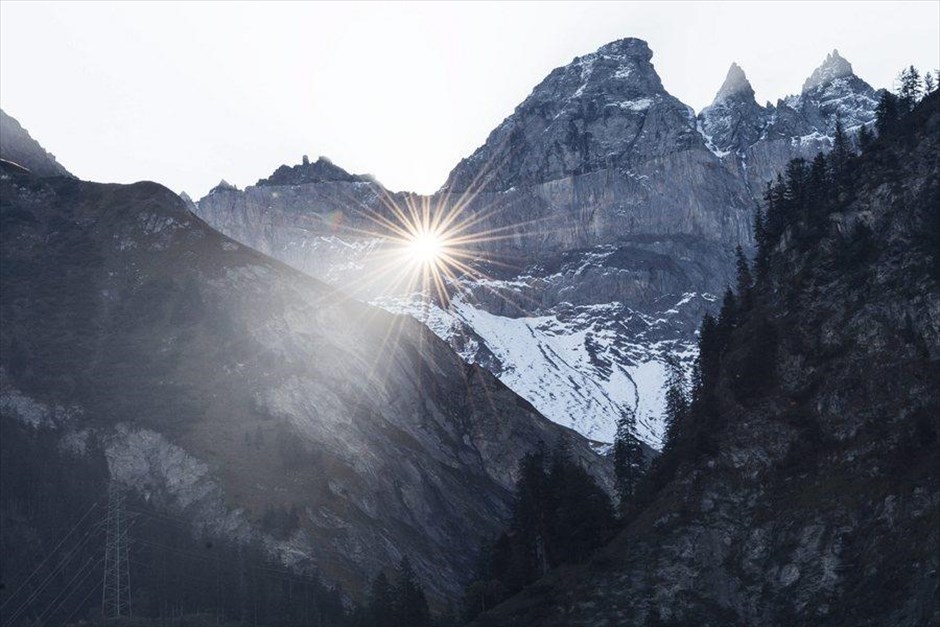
pixel 608 213
pixel 819 502
pixel 17 146
pixel 222 385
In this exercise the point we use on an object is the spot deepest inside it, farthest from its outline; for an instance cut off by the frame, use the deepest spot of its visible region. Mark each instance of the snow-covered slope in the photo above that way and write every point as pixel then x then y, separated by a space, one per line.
pixel 580 366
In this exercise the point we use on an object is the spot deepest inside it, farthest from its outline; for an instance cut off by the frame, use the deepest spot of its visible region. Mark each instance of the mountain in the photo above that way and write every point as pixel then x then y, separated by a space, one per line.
pixel 227 390
pixel 804 489
pixel 17 146
pixel 755 142
pixel 601 111
pixel 607 214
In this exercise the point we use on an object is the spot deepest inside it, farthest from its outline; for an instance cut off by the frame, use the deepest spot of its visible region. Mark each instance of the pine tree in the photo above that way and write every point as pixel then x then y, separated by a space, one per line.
pixel 909 91
pixel 531 512
pixel 744 281
pixel 581 516
pixel 380 609
pixel 629 460
pixel 560 516
pixel 677 401
pixel 886 114
pixel 865 138
pixel 841 151
pixel 410 602
pixel 929 83
pixel 761 239
pixel 727 316
pixel 820 194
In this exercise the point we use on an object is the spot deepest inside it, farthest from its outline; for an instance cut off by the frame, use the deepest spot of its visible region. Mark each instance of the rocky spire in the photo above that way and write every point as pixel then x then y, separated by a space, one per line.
pixel 597 112
pixel 736 84
pixel 835 66
pixel 223 186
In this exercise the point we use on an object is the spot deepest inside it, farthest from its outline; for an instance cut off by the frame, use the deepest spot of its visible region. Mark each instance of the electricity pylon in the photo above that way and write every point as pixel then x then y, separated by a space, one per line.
pixel 116 585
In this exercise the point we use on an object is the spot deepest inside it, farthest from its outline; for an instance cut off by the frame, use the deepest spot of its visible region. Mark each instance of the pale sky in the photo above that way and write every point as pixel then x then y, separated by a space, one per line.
pixel 187 94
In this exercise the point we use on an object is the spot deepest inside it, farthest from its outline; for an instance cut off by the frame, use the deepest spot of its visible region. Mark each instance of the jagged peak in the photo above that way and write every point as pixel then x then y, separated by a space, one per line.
pixel 835 66
pixel 620 58
pixel 736 84
pixel 319 171
pixel 223 186
pixel 628 47
pixel 624 62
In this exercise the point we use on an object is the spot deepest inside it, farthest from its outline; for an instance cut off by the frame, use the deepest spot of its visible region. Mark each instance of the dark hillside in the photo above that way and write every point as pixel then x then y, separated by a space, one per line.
pixel 803 488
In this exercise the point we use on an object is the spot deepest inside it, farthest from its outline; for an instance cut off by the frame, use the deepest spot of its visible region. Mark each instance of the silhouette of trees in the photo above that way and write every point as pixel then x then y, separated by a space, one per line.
pixel 397 603
pixel 560 516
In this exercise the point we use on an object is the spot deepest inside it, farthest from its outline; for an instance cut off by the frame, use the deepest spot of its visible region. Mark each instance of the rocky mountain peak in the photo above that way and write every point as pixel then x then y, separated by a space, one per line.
pixel 608 69
pixel 734 121
pixel 735 85
pixel 223 186
pixel 320 171
pixel 604 109
pixel 627 48
pixel 835 66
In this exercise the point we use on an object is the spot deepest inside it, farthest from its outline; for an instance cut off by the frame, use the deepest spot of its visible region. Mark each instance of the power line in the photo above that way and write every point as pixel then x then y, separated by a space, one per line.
pixel 68 590
pixel 49 577
pixel 82 604
pixel 50 554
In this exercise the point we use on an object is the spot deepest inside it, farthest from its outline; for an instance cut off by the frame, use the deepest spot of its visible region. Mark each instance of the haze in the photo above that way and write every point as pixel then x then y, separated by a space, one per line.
pixel 186 94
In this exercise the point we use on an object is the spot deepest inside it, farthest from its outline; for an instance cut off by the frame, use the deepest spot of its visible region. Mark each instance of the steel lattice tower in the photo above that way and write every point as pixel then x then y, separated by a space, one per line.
pixel 116 585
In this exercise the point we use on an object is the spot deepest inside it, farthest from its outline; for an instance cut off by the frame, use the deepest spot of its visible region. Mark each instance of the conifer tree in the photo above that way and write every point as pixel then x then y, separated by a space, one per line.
pixel 841 151
pixel 820 191
pixel 727 316
pixel 629 460
pixel 581 516
pixel 560 515
pixel 677 401
pixel 410 603
pixel 380 609
pixel 744 279
pixel 929 83
pixel 865 138
pixel 886 113
pixel 762 256
pixel 909 90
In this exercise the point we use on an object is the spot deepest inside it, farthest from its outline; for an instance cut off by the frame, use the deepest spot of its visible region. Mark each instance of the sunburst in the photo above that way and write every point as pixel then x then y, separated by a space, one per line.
pixel 431 248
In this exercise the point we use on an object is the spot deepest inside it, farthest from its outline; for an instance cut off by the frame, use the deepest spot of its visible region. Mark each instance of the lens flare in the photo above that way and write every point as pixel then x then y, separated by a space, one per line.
pixel 421 254
pixel 426 247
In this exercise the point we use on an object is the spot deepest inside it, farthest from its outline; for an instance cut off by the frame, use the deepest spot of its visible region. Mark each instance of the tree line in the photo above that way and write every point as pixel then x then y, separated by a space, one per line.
pixel 554 522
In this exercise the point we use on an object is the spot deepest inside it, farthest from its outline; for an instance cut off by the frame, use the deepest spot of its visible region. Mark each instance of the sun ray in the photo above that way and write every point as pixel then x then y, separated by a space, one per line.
pixel 430 249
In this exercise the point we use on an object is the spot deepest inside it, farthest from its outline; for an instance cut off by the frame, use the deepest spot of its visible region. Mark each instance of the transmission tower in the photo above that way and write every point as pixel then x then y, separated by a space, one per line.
pixel 116 585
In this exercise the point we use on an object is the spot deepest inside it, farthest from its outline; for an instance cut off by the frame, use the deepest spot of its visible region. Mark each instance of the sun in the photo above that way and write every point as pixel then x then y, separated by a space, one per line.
pixel 426 247
pixel 430 247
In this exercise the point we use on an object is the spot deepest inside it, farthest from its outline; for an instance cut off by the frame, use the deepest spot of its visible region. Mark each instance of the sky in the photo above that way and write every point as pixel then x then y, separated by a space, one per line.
pixel 186 94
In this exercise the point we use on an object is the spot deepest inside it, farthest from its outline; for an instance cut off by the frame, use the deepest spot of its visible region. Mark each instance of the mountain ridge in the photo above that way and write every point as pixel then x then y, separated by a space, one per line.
pixel 609 218
pixel 223 384
pixel 18 146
